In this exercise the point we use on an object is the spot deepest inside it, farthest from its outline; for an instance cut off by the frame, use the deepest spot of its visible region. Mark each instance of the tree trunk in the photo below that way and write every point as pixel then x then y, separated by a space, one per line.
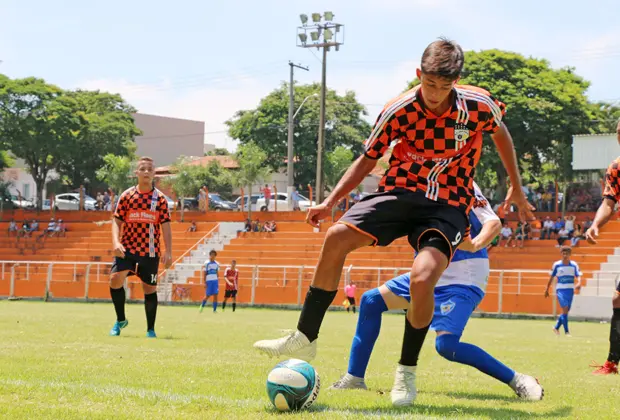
pixel 250 202
pixel 502 187
pixel 39 181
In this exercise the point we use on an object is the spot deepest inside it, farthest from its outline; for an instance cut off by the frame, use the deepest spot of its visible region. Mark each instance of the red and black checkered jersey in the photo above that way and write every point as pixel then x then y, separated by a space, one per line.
pixel 612 185
pixel 143 214
pixel 435 154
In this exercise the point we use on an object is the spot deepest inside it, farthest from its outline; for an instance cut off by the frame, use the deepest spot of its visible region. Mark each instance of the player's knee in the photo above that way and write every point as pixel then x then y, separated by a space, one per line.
pixel 446 345
pixel 616 300
pixel 343 239
pixel 116 280
pixel 372 302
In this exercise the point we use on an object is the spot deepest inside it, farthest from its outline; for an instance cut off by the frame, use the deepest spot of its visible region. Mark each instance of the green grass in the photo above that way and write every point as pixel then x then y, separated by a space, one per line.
pixel 56 361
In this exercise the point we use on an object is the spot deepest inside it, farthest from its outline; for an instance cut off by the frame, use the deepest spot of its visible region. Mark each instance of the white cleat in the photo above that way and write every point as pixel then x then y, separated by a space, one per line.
pixel 349 381
pixel 403 391
pixel 295 344
pixel 527 387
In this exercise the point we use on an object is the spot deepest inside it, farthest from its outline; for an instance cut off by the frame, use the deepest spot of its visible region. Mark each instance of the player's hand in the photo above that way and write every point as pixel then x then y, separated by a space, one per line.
pixel 317 213
pixel 591 234
pixel 518 198
pixel 468 245
pixel 577 288
pixel 167 259
pixel 119 250
pixel 546 293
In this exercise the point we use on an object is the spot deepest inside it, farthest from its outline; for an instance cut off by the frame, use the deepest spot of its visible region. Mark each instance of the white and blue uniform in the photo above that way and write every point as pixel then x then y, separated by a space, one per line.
pixel 212 270
pixel 462 285
pixel 565 287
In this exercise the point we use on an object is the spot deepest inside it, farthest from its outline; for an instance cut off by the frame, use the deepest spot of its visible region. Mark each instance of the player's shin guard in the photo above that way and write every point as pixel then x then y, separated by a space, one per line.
pixel 312 314
pixel 224 305
pixel 565 323
pixel 413 340
pixel 150 307
pixel 614 338
pixel 118 299
pixel 372 307
pixel 450 347
pixel 234 306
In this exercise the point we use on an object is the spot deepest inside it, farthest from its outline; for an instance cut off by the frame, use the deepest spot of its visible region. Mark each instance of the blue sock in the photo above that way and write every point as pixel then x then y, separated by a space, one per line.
pixel 560 322
pixel 565 323
pixel 372 306
pixel 204 302
pixel 214 305
pixel 450 347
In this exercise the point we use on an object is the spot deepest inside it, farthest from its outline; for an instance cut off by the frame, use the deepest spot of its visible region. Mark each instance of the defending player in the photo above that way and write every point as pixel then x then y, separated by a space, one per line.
pixel 457 294
pixel 139 217
pixel 231 275
pixel 425 194
pixel 568 278
pixel 611 195
pixel 212 288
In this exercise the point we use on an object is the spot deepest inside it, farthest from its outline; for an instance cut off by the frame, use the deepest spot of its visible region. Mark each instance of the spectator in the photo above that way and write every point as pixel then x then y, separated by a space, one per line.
pixel 562 236
pixel 61 228
pixel 25 231
pixel 548 228
pixel 202 200
pixel 349 291
pixel 51 227
pixel 295 197
pixel 506 234
pixel 99 201
pixel 192 228
pixel 267 193
pixel 538 200
pixel 34 226
pixel 106 201
pixel 587 224
pixel 270 226
pixel 547 201
pixel 248 225
pixel 494 243
pixel 558 225
pixel 569 223
pixel 256 226
pixel 534 230
pixel 12 227
pixel 520 234
pixel 578 234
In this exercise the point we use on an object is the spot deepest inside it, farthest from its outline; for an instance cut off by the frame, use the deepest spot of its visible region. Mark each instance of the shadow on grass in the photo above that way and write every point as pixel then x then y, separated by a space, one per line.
pixel 159 337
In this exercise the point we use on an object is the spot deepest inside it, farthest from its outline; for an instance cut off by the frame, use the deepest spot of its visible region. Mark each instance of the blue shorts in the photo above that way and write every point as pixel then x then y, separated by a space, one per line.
pixel 453 304
pixel 565 297
pixel 211 288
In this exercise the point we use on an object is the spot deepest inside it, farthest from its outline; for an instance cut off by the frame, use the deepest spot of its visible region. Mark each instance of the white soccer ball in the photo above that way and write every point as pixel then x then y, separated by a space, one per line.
pixel 293 385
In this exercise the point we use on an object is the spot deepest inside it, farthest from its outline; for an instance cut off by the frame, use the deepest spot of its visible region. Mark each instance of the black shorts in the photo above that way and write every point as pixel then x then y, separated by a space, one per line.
pixel 351 300
pixel 230 294
pixel 144 267
pixel 391 215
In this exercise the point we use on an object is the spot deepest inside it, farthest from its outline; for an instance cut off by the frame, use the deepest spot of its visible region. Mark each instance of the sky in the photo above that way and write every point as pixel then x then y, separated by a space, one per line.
pixel 205 60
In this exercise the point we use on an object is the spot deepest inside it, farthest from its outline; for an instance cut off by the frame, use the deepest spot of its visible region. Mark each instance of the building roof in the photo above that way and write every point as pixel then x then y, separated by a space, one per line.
pixel 227 162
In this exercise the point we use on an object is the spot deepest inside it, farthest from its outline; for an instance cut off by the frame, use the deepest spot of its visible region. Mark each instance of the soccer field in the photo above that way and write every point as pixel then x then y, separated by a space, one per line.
pixel 57 361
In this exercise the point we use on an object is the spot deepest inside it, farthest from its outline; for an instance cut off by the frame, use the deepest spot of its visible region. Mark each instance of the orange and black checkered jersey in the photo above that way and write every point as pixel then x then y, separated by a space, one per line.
pixel 143 214
pixel 612 186
pixel 435 154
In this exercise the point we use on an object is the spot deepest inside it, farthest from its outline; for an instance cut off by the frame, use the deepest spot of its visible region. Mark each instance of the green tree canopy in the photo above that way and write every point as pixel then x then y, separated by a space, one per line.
pixel 117 172
pixel 252 168
pixel 338 161
pixel 267 127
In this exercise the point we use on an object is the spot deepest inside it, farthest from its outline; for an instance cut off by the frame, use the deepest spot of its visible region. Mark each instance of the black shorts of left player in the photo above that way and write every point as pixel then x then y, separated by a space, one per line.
pixel 230 294
pixel 144 267
pixel 390 215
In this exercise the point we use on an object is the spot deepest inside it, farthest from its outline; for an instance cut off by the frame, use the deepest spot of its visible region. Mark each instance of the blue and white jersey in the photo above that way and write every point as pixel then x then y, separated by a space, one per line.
pixel 211 270
pixel 471 268
pixel 566 274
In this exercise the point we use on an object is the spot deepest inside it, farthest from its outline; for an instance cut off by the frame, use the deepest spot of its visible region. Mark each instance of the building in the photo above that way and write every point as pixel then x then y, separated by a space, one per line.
pixel 593 152
pixel 165 139
pixel 21 183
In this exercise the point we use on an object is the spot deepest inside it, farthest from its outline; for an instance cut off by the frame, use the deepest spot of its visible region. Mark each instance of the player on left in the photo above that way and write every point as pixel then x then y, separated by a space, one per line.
pixel 139 217
pixel 212 270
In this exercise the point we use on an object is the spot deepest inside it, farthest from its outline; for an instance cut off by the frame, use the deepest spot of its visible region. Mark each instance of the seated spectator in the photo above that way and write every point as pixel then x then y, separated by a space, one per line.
pixel 494 243
pixel 520 234
pixel 587 224
pixel 192 228
pixel 267 227
pixel 34 226
pixel 578 234
pixel 61 228
pixel 248 225
pixel 51 226
pixel 25 230
pixel 562 236
pixel 106 201
pixel 548 228
pixel 12 227
pixel 506 234
pixel 534 230
pixel 558 225
pixel 256 226
pixel 99 205
pixel 569 224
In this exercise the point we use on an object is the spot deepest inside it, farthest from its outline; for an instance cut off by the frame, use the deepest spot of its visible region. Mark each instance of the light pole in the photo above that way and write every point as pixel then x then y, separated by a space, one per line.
pixel 291 127
pixel 324 33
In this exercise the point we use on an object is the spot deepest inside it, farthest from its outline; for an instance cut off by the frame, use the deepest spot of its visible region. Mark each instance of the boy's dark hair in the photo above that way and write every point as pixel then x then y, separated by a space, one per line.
pixel 212 252
pixel 443 58
pixel 566 249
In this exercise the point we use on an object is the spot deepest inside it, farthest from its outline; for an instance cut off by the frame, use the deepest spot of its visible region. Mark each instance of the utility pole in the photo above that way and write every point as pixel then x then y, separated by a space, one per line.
pixel 291 130
pixel 324 33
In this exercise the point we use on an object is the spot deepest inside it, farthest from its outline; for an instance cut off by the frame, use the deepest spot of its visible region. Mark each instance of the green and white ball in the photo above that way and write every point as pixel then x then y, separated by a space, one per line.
pixel 293 385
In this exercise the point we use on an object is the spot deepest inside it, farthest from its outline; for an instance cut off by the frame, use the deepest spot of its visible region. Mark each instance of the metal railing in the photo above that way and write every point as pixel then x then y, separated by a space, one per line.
pixel 276 284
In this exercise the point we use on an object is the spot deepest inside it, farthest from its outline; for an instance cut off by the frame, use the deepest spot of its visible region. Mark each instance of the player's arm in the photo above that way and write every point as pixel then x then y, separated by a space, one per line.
pixel 226 274
pixel 354 176
pixel 553 276
pixel 117 223
pixel 491 225
pixel 168 241
pixel 578 277
pixel 603 214
pixel 506 150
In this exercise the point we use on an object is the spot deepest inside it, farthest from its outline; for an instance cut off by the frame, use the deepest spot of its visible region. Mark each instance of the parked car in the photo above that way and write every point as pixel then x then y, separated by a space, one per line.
pixel 171 203
pixel 189 203
pixel 218 203
pixel 255 198
pixel 71 201
pixel 304 203
pixel 46 205
pixel 21 204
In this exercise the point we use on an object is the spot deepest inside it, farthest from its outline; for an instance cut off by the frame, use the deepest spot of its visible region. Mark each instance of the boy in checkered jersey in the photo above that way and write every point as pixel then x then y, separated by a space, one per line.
pixel 139 217
pixel 611 196
pixel 426 195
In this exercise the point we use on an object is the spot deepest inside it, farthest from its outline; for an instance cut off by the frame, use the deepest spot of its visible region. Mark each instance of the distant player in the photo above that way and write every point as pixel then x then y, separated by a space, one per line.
pixel 349 291
pixel 457 294
pixel 139 217
pixel 611 196
pixel 568 278
pixel 231 275
pixel 212 288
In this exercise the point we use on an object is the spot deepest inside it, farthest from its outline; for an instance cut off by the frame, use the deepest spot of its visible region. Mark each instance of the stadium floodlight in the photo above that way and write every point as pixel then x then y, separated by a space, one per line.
pixel 315 35
pixel 329 16
pixel 316 17
pixel 338 27
pixel 328 35
pixel 303 38
pixel 303 18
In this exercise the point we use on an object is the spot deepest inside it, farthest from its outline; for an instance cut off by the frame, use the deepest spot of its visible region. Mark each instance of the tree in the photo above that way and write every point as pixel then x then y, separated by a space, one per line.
pixel 545 108
pixel 216 178
pixel 106 126
pixel 267 127
pixel 36 125
pixel 184 181
pixel 338 161
pixel 117 172
pixel 218 151
pixel 252 168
